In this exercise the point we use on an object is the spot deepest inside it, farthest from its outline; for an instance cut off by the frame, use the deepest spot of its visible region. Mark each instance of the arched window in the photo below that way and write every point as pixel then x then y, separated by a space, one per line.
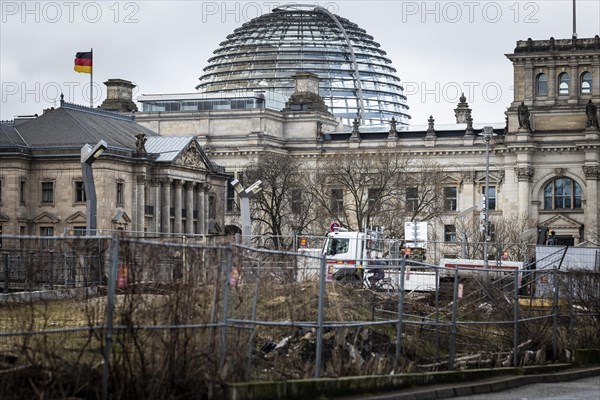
pixel 563 83
pixel 586 83
pixel 541 85
pixel 562 194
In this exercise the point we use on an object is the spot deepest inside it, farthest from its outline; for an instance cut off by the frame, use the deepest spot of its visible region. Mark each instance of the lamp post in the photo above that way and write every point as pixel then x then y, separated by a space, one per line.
pixel 245 195
pixel 488 131
pixel 90 154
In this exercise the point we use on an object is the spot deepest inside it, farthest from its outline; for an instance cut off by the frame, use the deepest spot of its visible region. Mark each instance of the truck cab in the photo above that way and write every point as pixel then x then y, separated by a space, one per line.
pixel 348 253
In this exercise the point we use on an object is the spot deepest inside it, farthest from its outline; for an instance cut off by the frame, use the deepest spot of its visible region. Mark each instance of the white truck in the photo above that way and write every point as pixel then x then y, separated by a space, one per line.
pixel 347 253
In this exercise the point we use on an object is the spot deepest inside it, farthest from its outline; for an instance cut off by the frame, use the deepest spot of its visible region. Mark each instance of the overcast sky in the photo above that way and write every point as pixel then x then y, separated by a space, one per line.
pixel 439 48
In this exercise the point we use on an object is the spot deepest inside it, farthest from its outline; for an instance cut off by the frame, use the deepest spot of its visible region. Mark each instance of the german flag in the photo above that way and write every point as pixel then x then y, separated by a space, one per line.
pixel 83 62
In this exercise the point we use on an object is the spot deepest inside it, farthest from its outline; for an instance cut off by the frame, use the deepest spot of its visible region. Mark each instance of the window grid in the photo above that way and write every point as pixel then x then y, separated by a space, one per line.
pixel 412 199
pixel 337 200
pixel 449 233
pixel 120 187
pixel 542 85
pixel 47 192
pixel 491 196
pixel 79 192
pixel 562 194
pixel 450 198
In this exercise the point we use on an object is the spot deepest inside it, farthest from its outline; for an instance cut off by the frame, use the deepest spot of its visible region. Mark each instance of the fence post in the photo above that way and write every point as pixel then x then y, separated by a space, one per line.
pixel 400 315
pixel 320 314
pixel 110 304
pixel 253 331
pixel 228 266
pixel 437 315
pixel 516 324
pixel 452 349
pixel 6 272
pixel 555 313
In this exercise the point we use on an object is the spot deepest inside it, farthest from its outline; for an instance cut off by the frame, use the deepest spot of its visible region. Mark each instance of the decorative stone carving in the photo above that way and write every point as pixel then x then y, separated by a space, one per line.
pixel 355 125
pixel 524 174
pixel 524 117
pixel 141 179
pixel 591 112
pixel 190 157
pixel 319 131
pixel 560 171
pixel 140 142
pixel 393 132
pixel 430 127
pixel 591 172
pixel 469 131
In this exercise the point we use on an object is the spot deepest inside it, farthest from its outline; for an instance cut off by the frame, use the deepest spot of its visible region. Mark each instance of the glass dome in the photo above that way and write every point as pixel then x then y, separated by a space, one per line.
pixel 357 80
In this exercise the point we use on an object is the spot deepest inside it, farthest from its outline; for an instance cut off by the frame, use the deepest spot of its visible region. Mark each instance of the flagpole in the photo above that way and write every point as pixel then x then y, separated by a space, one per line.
pixel 574 20
pixel 92 81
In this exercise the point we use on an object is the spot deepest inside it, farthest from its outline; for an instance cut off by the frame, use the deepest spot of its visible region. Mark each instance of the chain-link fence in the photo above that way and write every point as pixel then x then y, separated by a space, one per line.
pixel 119 317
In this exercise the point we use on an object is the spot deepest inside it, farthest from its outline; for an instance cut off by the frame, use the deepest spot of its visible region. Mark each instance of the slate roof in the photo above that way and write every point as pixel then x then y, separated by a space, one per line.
pixel 73 126
pixel 167 148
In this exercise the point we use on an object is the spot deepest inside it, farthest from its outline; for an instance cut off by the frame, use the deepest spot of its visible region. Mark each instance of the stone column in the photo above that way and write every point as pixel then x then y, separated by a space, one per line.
pixel 207 188
pixel 551 84
pixel 591 217
pixel 155 199
pixel 529 83
pixel 140 211
pixel 524 176
pixel 189 208
pixel 468 197
pixel 574 81
pixel 200 208
pixel 178 185
pixel 166 206
pixel 595 74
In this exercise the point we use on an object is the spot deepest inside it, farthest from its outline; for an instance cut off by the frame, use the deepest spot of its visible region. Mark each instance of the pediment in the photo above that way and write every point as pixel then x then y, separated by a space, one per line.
pixel 121 217
pixel 193 156
pixel 77 218
pixel 4 217
pixel 46 218
pixel 560 222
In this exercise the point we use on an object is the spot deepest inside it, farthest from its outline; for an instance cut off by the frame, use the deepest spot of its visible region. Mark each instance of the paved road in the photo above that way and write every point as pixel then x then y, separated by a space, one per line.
pixel 583 389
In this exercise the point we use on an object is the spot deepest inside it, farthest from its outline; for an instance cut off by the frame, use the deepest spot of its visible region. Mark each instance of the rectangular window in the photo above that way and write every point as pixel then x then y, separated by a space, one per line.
pixel 47 192
pixel 22 232
pixel 79 230
pixel 212 207
pixel 373 198
pixel 296 201
pixel 491 197
pixel 230 197
pixel 22 192
pixel 46 231
pixel 0 236
pixel 337 200
pixel 0 190
pixel 449 233
pixel 119 199
pixel 79 192
pixel 412 199
pixel 450 198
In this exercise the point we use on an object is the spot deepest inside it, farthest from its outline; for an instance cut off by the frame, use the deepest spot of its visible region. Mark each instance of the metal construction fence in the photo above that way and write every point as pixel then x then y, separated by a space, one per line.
pixel 120 317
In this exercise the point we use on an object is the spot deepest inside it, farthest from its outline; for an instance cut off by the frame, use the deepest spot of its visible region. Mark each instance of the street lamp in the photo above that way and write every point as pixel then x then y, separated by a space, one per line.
pixel 90 154
pixel 488 131
pixel 245 195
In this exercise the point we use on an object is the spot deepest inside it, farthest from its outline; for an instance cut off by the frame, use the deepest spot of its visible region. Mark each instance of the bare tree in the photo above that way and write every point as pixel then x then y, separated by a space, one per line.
pixel 505 231
pixel 284 205
pixel 425 191
pixel 359 190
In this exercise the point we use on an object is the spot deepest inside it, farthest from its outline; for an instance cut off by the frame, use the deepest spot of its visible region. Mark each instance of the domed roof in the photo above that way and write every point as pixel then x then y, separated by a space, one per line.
pixel 357 80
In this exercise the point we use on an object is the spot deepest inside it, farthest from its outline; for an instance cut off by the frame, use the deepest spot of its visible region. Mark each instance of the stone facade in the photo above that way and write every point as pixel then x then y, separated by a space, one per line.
pixel 170 188
pixel 539 147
